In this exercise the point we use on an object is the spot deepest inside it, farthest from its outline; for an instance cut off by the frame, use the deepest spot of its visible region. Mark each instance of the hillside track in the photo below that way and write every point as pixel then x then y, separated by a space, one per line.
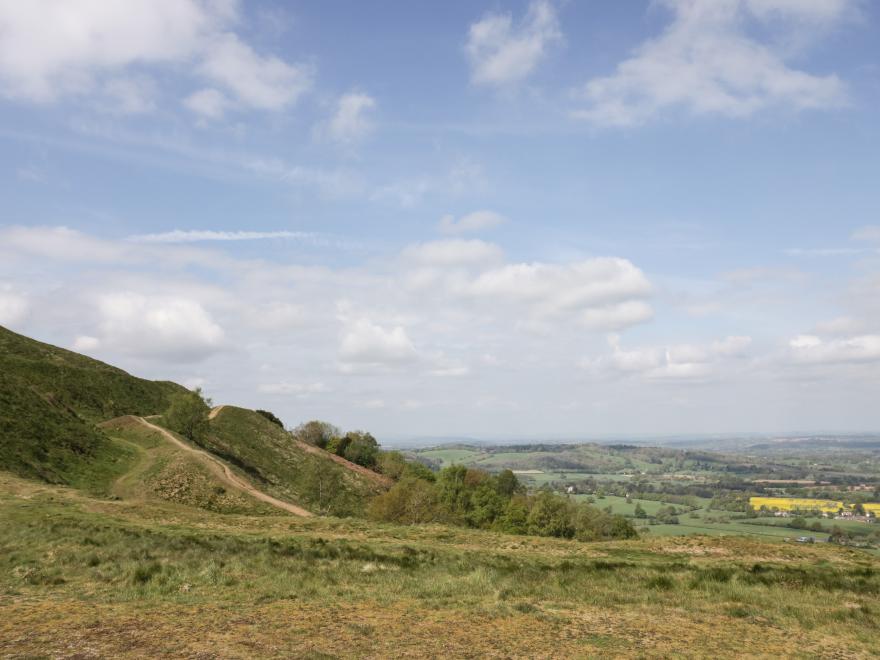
pixel 222 471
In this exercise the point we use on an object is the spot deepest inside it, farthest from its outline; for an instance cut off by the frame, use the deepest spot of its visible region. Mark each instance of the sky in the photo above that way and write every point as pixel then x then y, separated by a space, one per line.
pixel 530 219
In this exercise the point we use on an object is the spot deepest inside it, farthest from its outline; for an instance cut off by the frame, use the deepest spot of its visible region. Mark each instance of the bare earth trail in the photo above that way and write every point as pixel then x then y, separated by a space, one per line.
pixel 222 471
pixel 215 411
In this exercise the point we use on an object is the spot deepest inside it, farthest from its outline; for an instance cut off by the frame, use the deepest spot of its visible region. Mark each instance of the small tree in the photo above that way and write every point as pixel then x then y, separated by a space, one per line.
pixel 507 484
pixel 323 488
pixel 639 511
pixel 361 448
pixel 316 433
pixel 188 415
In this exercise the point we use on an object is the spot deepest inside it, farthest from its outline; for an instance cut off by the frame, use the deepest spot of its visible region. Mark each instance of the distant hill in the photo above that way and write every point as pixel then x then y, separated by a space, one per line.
pixel 50 401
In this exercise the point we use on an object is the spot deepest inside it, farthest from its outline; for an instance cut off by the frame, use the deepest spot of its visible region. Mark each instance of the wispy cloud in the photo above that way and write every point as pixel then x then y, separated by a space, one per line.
pixel 706 63
pixel 194 236
pixel 827 252
pixel 501 53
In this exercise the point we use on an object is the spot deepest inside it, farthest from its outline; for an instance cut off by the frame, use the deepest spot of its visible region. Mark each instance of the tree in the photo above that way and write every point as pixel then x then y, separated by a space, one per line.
pixel 188 415
pixel 838 536
pixel 507 484
pixel 410 501
pixel 486 506
pixel 316 433
pixel 361 448
pixel 452 494
pixel 323 489
pixel 550 516
pixel 395 465
pixel 639 511
pixel 515 518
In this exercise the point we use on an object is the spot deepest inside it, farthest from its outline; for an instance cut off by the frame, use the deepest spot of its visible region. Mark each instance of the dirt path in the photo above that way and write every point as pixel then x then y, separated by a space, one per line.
pixel 222 471
pixel 215 411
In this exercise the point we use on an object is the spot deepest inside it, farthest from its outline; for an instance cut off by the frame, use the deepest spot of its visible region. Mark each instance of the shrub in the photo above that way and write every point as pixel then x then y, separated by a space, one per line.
pixel 271 417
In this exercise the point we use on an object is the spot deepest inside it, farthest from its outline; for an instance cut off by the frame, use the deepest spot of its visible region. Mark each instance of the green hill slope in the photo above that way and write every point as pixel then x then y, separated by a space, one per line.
pixel 52 403
pixel 287 469
pixel 50 400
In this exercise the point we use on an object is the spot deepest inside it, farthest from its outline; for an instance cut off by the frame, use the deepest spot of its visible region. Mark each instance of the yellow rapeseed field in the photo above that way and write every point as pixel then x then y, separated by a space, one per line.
pixel 806 504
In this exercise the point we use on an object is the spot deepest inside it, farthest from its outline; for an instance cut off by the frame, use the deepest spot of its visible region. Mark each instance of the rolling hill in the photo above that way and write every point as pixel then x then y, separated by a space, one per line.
pixel 50 401
pixel 71 420
pixel 286 467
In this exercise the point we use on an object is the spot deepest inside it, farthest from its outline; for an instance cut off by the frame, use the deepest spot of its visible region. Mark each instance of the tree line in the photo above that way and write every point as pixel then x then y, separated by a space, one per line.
pixel 474 498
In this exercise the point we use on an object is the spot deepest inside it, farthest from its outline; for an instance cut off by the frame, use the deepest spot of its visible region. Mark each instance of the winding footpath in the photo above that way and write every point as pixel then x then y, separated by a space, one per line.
pixel 222 471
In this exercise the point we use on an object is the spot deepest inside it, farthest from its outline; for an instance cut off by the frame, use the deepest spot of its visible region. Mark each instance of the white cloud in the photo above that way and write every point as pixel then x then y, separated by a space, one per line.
pixel 472 222
pixel 599 293
pixel 453 252
pixel 349 122
pixel 679 362
pixel 841 326
pixel 366 344
pixel 130 96
pixel 811 349
pixel 452 370
pixel 278 315
pixel 59 243
pixel 295 389
pixel 164 327
pixel 870 233
pixel 266 83
pixel 13 306
pixel 50 49
pixel 208 103
pixel 813 11
pixel 707 63
pixel 86 343
pixel 501 54
pixel 192 236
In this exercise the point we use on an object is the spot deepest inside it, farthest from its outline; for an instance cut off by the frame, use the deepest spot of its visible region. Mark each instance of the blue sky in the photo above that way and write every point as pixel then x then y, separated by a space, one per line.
pixel 509 219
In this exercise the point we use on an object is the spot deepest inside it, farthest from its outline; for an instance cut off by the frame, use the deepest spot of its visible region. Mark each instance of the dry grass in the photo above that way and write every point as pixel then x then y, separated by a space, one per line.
pixel 84 577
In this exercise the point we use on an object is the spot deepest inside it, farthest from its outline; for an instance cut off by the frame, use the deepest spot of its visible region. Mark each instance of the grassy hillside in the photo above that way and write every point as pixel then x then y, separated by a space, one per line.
pixel 51 398
pixel 283 467
pixel 161 471
pixel 83 577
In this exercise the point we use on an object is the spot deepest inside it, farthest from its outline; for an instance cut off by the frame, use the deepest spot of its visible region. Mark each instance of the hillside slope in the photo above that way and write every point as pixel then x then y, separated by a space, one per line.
pixel 289 469
pixel 50 400
pixel 167 469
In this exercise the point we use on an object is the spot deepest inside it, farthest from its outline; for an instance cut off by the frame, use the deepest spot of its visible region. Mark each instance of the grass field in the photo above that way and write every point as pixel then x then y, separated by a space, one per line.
pixel 81 576
pixel 451 456
pixel 621 506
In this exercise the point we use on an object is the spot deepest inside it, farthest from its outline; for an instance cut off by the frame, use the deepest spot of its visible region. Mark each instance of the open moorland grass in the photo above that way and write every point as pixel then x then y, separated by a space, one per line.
pixel 86 577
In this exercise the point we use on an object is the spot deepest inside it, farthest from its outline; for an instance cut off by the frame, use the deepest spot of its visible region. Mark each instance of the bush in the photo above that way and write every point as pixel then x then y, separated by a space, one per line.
pixel 359 447
pixel 316 433
pixel 271 417
pixel 410 501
